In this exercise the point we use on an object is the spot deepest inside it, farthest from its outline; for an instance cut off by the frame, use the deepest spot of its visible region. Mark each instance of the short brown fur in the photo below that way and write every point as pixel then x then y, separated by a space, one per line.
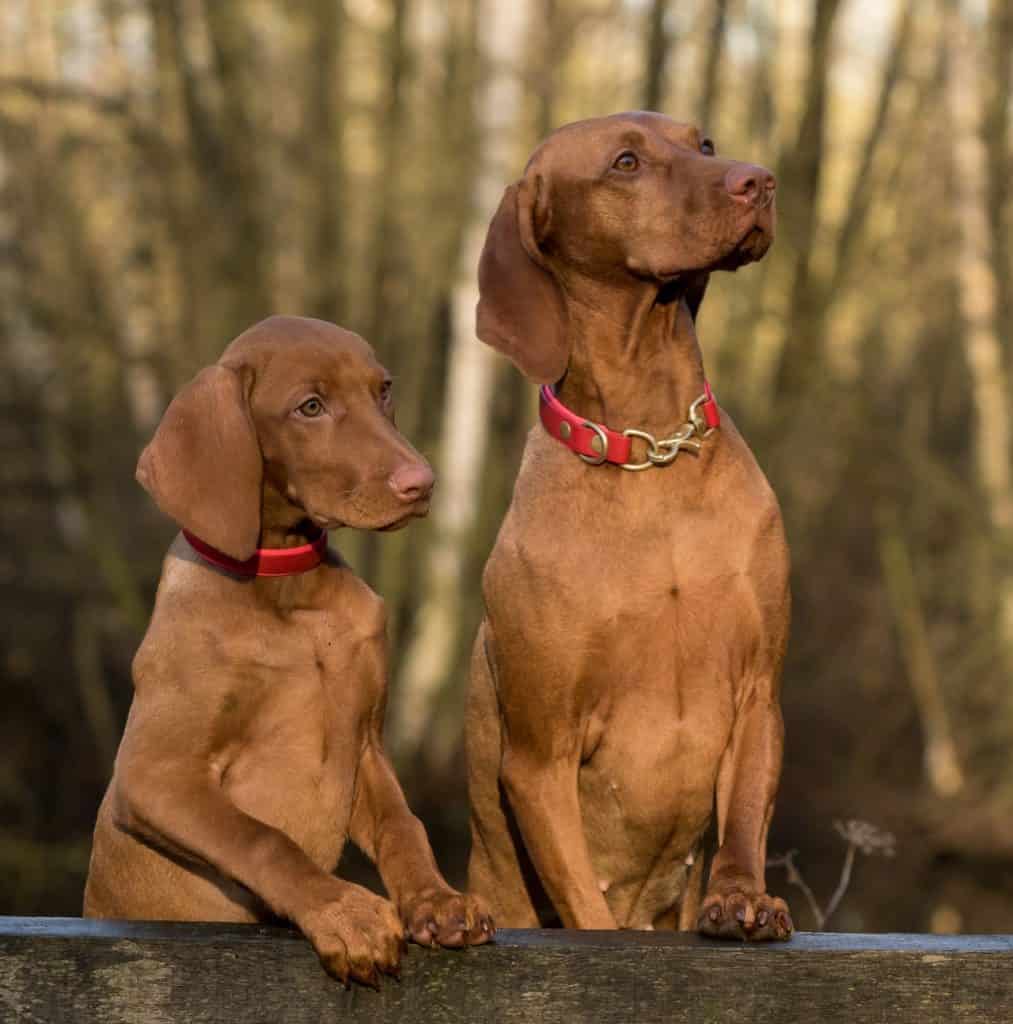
pixel 254 744
pixel 625 682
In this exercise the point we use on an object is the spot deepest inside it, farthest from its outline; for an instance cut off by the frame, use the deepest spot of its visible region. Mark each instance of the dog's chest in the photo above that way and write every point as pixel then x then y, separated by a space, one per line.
pixel 301 724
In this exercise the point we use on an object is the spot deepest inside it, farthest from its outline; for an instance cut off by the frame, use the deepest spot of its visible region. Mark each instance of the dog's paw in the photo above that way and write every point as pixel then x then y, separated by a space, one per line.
pixel 443 917
pixel 732 913
pixel 357 935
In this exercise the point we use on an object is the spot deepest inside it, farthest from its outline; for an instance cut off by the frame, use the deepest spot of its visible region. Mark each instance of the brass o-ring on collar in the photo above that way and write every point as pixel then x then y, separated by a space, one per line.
pixel 600 443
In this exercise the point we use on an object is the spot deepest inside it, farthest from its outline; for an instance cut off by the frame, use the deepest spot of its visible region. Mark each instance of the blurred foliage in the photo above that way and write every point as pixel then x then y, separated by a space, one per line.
pixel 172 170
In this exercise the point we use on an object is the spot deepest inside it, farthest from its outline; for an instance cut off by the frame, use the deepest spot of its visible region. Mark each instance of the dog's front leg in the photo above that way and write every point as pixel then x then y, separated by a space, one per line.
pixel 542 791
pixel 384 828
pixel 176 805
pixel 736 904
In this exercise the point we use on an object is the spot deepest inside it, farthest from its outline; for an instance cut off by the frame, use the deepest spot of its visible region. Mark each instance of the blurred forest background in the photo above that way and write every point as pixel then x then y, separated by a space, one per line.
pixel 173 170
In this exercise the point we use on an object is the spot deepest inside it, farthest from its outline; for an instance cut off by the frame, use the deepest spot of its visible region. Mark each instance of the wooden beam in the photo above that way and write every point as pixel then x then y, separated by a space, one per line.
pixel 68 970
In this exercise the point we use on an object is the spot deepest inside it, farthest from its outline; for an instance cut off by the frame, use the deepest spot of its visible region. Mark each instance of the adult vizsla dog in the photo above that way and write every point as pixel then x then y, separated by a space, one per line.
pixel 253 747
pixel 624 686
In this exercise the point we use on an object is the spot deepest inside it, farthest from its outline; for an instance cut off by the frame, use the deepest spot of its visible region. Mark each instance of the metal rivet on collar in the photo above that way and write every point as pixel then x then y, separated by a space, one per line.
pixel 565 430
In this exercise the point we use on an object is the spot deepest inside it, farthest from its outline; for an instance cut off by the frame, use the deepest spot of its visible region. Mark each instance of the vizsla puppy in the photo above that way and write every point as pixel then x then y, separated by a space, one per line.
pixel 624 687
pixel 253 747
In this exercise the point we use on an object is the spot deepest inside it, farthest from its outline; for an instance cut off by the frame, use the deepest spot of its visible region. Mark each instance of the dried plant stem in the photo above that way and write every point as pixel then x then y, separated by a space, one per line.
pixel 795 878
pixel 860 836
pixel 842 885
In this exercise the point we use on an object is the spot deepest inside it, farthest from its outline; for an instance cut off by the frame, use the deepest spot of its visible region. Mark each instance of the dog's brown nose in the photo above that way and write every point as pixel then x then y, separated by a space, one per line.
pixel 750 184
pixel 412 482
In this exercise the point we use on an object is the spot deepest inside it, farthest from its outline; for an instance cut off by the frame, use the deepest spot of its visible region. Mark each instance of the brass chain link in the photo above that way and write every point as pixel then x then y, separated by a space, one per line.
pixel 665 452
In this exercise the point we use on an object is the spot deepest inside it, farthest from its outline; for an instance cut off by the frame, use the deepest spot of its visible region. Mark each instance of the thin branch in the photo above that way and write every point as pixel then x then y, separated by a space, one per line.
pixel 842 884
pixel 795 878
pixel 861 837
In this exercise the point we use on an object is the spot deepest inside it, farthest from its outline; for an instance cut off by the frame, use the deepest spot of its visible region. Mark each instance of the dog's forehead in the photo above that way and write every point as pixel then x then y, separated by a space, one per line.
pixel 288 347
pixel 572 142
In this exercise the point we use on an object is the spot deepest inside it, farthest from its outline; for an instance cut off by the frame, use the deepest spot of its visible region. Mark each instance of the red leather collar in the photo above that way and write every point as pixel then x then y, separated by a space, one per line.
pixel 265 561
pixel 587 438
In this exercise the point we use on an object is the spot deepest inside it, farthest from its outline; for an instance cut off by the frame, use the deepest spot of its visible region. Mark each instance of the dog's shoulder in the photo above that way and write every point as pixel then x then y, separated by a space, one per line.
pixel 356 601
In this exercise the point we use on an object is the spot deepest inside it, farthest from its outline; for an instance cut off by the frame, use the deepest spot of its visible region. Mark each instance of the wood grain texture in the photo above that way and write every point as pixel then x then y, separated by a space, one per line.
pixel 68 970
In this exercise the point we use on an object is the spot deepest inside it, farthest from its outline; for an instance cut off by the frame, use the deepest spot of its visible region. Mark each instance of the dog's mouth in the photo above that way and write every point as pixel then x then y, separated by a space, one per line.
pixel 361 519
pixel 752 246
pixel 418 510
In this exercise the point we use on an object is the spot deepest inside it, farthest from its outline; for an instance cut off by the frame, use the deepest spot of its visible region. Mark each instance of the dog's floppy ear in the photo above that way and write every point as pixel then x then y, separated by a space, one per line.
pixel 520 307
pixel 204 468
pixel 696 287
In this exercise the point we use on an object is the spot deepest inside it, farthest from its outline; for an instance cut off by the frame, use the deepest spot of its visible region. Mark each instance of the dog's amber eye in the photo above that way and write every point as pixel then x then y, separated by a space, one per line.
pixel 626 162
pixel 311 407
pixel 707 147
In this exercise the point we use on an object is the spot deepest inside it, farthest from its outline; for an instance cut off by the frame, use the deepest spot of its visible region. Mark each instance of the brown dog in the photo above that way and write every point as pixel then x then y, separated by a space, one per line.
pixel 253 747
pixel 625 680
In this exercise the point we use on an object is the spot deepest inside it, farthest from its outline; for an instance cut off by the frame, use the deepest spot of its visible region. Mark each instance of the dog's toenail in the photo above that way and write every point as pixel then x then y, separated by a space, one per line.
pixel 715 912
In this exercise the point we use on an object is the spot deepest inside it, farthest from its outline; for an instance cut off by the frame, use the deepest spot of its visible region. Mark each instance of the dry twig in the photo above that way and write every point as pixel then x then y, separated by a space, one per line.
pixel 861 837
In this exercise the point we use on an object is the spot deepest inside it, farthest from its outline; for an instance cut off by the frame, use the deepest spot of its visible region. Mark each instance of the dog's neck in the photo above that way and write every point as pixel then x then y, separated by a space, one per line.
pixel 634 356
pixel 283 524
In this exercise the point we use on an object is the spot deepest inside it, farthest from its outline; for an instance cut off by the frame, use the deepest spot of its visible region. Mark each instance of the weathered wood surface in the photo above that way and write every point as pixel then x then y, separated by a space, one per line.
pixel 78 972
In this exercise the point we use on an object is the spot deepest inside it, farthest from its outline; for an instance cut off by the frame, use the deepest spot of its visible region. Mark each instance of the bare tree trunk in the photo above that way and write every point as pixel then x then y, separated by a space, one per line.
pixel 978 285
pixel 762 114
pixel 142 315
pixel 223 146
pixel 544 32
pixel 996 132
pixel 942 765
pixel 450 129
pixel 828 292
pixel 707 106
pixel 431 655
pixel 861 194
pixel 239 174
pixel 734 348
pixel 657 43
pixel 326 282
pixel 183 268
pixel 783 347
pixel 386 242
pixel 387 247
pixel 801 175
